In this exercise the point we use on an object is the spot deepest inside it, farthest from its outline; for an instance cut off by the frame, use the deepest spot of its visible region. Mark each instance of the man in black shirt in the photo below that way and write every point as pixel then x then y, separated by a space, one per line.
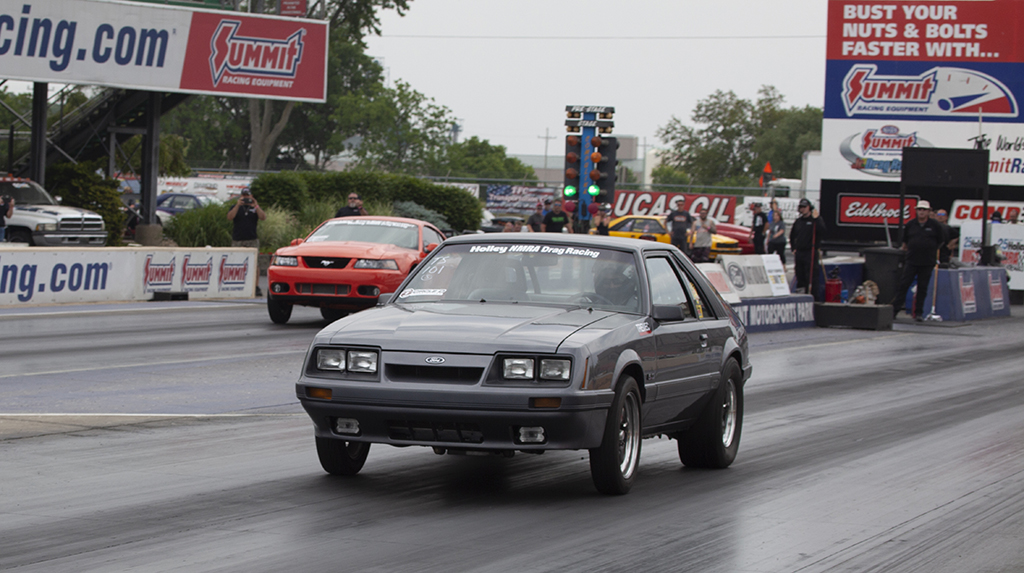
pixel 555 220
pixel 537 218
pixel 245 215
pixel 681 221
pixel 757 228
pixel 922 238
pixel 952 235
pixel 805 238
pixel 353 209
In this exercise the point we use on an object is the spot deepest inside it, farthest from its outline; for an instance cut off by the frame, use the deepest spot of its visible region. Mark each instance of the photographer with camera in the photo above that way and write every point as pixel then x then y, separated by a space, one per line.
pixel 353 209
pixel 6 210
pixel 245 214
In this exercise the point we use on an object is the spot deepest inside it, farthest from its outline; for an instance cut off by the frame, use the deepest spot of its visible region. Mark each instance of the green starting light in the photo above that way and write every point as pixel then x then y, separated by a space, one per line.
pixel 594 190
pixel 569 191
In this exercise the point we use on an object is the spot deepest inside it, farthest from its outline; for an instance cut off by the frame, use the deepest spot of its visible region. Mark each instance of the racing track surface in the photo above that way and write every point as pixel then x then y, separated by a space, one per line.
pixel 894 451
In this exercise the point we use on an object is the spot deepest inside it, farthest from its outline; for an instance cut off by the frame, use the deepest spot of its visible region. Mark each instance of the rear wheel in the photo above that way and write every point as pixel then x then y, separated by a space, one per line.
pixel 279 311
pixel 332 314
pixel 341 458
pixel 613 465
pixel 712 442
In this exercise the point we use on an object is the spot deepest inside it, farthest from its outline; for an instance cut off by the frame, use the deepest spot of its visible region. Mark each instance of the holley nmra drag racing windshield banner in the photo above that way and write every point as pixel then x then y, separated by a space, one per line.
pixel 919 74
pixel 163 48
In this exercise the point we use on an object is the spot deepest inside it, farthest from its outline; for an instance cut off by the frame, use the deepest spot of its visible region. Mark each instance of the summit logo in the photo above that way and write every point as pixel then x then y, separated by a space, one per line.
pixel 260 57
pixel 940 92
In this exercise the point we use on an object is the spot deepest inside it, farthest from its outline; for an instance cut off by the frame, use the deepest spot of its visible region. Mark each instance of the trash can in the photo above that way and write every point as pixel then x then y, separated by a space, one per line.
pixel 884 266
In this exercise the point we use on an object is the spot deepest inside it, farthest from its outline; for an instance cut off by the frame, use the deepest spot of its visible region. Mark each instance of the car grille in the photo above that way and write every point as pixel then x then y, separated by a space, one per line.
pixel 83 224
pixel 325 262
pixel 408 430
pixel 442 374
pixel 317 288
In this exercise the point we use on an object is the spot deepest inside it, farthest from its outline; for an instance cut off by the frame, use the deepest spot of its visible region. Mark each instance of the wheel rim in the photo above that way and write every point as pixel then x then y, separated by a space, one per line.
pixel 629 435
pixel 729 413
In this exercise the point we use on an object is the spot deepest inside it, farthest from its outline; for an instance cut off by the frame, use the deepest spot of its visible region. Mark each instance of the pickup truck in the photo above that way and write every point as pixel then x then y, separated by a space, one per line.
pixel 39 220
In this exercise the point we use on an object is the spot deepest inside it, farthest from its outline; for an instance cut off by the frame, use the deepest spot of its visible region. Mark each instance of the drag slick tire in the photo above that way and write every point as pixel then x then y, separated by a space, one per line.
pixel 714 439
pixel 332 314
pixel 613 465
pixel 279 311
pixel 341 458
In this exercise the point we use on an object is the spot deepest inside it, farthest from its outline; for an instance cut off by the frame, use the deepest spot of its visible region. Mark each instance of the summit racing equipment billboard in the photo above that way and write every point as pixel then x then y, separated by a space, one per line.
pixel 163 48
pixel 921 74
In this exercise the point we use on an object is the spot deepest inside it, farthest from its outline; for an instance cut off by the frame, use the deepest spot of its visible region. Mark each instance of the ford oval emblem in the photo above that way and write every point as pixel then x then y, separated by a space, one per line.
pixel 435 359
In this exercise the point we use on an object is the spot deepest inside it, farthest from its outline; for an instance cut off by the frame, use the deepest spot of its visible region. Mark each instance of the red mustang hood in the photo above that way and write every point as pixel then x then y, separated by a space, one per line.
pixel 350 249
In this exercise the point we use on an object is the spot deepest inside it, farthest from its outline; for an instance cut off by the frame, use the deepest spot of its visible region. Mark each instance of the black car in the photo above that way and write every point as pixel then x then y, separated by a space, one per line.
pixel 530 342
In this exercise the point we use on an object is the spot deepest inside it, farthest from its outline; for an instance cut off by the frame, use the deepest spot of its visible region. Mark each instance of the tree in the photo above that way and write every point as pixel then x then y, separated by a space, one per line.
pixel 408 133
pixel 214 130
pixel 349 19
pixel 665 174
pixel 477 158
pixel 738 136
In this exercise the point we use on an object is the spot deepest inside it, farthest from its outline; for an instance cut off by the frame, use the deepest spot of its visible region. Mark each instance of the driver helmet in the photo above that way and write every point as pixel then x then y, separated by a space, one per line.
pixel 616 282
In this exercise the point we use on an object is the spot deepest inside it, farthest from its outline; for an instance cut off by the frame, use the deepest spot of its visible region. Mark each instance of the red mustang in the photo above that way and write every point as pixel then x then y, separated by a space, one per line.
pixel 346 263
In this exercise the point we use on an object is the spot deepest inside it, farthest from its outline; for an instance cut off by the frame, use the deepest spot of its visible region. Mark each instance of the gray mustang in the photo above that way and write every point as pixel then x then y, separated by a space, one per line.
pixel 533 342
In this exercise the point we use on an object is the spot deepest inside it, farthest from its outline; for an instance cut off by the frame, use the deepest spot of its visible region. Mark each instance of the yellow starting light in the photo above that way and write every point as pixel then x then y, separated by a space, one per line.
pixel 596 141
pixel 571 173
pixel 596 175
pixel 572 157
pixel 572 140
pixel 596 157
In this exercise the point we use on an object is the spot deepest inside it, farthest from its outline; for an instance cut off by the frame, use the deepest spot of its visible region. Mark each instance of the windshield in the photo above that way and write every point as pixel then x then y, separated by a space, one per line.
pixel 405 235
pixel 528 272
pixel 26 193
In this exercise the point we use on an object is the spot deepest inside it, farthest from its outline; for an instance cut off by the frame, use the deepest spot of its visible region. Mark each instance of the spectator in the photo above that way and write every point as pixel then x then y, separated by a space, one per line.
pixel 354 207
pixel 600 222
pixel 952 236
pixel 6 210
pixel 556 220
pixel 805 239
pixel 758 228
pixel 537 218
pixel 777 234
pixel 680 220
pixel 245 215
pixel 921 239
pixel 701 231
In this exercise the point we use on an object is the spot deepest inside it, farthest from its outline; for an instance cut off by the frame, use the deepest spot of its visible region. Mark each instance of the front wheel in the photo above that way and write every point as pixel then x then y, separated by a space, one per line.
pixel 714 439
pixel 613 465
pixel 19 236
pixel 279 311
pixel 332 314
pixel 341 458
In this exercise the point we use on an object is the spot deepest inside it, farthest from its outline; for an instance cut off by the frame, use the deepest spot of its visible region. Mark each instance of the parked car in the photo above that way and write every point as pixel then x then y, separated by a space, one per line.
pixel 740 233
pixel 171 204
pixel 38 218
pixel 502 343
pixel 345 264
pixel 637 226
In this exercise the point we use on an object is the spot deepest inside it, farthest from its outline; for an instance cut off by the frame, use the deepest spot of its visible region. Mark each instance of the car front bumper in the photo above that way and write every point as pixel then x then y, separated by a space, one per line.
pixel 52 239
pixel 347 289
pixel 578 424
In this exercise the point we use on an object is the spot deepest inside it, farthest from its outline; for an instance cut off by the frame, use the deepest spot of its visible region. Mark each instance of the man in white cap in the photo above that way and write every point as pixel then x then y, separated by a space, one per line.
pixel 922 238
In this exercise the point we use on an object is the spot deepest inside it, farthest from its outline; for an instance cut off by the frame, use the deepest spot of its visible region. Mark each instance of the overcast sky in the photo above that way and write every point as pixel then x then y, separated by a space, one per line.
pixel 658 58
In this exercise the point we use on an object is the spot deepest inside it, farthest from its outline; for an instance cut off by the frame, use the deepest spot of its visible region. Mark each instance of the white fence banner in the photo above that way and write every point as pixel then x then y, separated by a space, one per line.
pixel 747 275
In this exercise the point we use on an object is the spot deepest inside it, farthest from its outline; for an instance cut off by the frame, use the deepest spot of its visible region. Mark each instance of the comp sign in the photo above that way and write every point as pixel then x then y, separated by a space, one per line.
pixel 162 48
pixel 919 74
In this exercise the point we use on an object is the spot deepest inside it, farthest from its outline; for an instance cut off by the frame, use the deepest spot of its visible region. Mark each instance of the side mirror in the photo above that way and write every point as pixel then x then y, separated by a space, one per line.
pixel 296 242
pixel 384 298
pixel 430 247
pixel 58 199
pixel 668 312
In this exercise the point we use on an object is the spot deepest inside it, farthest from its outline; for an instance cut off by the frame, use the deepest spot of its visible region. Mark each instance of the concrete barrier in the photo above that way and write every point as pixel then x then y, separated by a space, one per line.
pixel 56 275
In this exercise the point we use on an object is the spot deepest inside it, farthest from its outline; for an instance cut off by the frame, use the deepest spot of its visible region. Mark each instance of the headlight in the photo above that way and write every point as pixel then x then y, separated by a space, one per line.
pixel 46 227
pixel 330 359
pixel 386 264
pixel 286 261
pixel 362 361
pixel 551 369
pixel 518 368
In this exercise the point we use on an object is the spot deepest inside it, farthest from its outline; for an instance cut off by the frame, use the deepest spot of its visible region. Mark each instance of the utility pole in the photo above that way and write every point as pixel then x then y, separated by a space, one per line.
pixel 546 137
pixel 643 175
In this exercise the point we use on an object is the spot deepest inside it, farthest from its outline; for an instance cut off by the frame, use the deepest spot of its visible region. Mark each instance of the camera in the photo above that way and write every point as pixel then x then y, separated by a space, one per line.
pixel 8 198
pixel 247 201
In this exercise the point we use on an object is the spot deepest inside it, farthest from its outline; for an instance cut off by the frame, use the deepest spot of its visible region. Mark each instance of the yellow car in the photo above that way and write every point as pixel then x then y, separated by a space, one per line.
pixel 637 226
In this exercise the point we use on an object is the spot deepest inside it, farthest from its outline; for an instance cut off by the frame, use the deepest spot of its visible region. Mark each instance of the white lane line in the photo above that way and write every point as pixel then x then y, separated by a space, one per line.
pixel 25 314
pixel 165 363
pixel 66 414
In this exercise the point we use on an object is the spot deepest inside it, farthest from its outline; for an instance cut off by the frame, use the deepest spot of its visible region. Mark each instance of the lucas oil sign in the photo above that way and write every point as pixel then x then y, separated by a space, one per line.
pixel 163 48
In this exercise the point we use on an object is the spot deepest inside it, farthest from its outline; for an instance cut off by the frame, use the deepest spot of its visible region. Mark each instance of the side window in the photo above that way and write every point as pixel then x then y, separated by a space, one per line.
pixel 431 236
pixel 623 227
pixel 666 288
pixel 701 308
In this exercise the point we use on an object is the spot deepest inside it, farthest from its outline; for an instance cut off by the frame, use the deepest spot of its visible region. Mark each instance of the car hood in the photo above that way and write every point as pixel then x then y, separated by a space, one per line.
pixel 349 249
pixel 473 328
pixel 54 210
